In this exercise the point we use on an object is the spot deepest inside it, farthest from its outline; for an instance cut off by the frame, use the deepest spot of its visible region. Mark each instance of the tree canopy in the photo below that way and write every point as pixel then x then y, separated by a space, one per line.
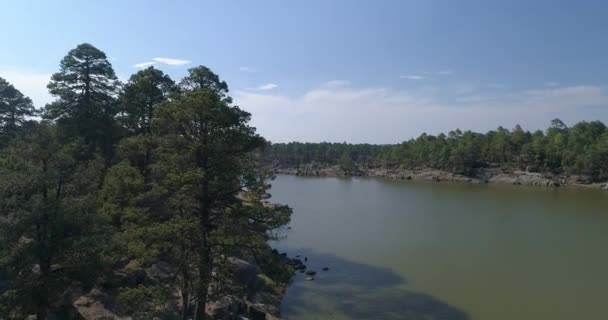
pixel 86 89
pixel 152 172
pixel 15 110
pixel 580 149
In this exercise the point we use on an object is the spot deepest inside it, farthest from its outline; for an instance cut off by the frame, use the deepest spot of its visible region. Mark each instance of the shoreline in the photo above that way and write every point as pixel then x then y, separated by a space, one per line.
pixel 480 176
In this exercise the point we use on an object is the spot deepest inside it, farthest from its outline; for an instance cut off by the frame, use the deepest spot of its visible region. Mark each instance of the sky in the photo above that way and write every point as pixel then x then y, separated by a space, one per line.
pixel 360 71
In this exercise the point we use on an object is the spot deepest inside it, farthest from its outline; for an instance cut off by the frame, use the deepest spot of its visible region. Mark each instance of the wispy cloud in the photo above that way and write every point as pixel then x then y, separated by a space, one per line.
pixel 445 72
pixel 247 69
pixel 30 83
pixel 167 61
pixel 384 115
pixel 412 77
pixel 144 64
pixel 171 61
pixel 337 83
pixel 268 86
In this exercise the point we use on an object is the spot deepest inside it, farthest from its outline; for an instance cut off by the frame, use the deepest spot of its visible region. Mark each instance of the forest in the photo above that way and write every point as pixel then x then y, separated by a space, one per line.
pixel 581 149
pixel 151 170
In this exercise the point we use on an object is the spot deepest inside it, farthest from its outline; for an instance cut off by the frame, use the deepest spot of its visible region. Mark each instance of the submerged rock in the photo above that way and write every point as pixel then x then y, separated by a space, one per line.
pixel 311 273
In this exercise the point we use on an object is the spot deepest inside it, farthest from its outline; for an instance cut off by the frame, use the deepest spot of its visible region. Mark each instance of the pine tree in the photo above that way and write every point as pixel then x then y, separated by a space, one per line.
pixel 48 236
pixel 86 88
pixel 15 109
pixel 144 91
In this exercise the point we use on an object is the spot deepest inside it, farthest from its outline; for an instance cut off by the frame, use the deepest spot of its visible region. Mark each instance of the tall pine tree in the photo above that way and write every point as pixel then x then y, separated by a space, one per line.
pixel 86 89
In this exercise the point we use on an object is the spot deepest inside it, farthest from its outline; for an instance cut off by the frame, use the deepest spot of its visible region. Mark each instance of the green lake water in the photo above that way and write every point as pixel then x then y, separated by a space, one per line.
pixel 414 250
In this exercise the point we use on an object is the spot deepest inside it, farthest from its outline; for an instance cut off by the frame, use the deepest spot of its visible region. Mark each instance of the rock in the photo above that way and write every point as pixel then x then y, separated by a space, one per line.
pixel 159 272
pixel 95 306
pixel 302 270
pixel 326 269
pixel 311 273
pixel 310 278
pixel 531 169
pixel 605 187
pixel 257 312
pixel 244 273
pixel 226 308
pixel 130 275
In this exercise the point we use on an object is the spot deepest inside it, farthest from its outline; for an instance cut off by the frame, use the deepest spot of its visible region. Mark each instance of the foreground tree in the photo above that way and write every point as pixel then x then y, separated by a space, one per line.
pixel 144 91
pixel 15 109
pixel 86 88
pixel 191 195
pixel 201 77
pixel 207 150
pixel 48 238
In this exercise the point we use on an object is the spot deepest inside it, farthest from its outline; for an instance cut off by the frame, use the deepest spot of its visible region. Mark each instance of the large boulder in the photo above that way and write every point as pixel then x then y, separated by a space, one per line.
pixel 127 274
pixel 226 308
pixel 160 272
pixel 244 272
pixel 96 306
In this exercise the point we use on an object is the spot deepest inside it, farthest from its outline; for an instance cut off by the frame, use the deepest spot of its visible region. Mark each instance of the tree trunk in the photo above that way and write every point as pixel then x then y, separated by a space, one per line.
pixel 185 295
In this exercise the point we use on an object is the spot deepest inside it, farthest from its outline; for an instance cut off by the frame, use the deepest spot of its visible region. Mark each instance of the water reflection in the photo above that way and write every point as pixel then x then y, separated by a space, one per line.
pixel 351 290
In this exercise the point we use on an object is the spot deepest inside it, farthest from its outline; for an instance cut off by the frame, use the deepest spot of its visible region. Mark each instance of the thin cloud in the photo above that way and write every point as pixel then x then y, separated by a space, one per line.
pixel 337 83
pixel 412 77
pixel 247 69
pixel 144 64
pixel 268 86
pixel 445 72
pixel 385 115
pixel 172 62
pixel 30 83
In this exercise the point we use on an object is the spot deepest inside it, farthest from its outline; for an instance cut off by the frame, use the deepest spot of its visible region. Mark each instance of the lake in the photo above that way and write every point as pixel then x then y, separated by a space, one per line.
pixel 418 250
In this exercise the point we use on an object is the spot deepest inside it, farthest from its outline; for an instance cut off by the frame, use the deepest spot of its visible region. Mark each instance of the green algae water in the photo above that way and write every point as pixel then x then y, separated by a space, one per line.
pixel 413 250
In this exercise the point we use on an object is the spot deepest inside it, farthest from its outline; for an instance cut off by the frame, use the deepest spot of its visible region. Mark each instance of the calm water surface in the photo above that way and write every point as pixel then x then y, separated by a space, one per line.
pixel 412 250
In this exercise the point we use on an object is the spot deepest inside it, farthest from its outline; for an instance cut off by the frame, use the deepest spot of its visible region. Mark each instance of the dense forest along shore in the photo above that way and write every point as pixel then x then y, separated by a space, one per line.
pixel 560 155
pixel 478 176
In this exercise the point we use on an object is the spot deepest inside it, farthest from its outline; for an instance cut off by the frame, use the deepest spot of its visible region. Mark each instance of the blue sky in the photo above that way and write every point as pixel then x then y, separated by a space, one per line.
pixel 362 71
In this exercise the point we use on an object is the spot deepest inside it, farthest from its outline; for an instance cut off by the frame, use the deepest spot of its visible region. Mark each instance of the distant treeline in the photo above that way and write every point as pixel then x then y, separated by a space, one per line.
pixel 581 149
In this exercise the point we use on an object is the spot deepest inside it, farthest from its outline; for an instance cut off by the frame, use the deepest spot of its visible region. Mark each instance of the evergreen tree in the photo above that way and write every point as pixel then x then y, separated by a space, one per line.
pixel 190 194
pixel 202 77
pixel 207 150
pixel 48 236
pixel 142 93
pixel 86 88
pixel 15 109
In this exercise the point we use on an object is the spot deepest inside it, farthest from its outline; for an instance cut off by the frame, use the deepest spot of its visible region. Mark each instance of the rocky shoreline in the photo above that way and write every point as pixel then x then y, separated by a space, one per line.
pixel 261 278
pixel 479 176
